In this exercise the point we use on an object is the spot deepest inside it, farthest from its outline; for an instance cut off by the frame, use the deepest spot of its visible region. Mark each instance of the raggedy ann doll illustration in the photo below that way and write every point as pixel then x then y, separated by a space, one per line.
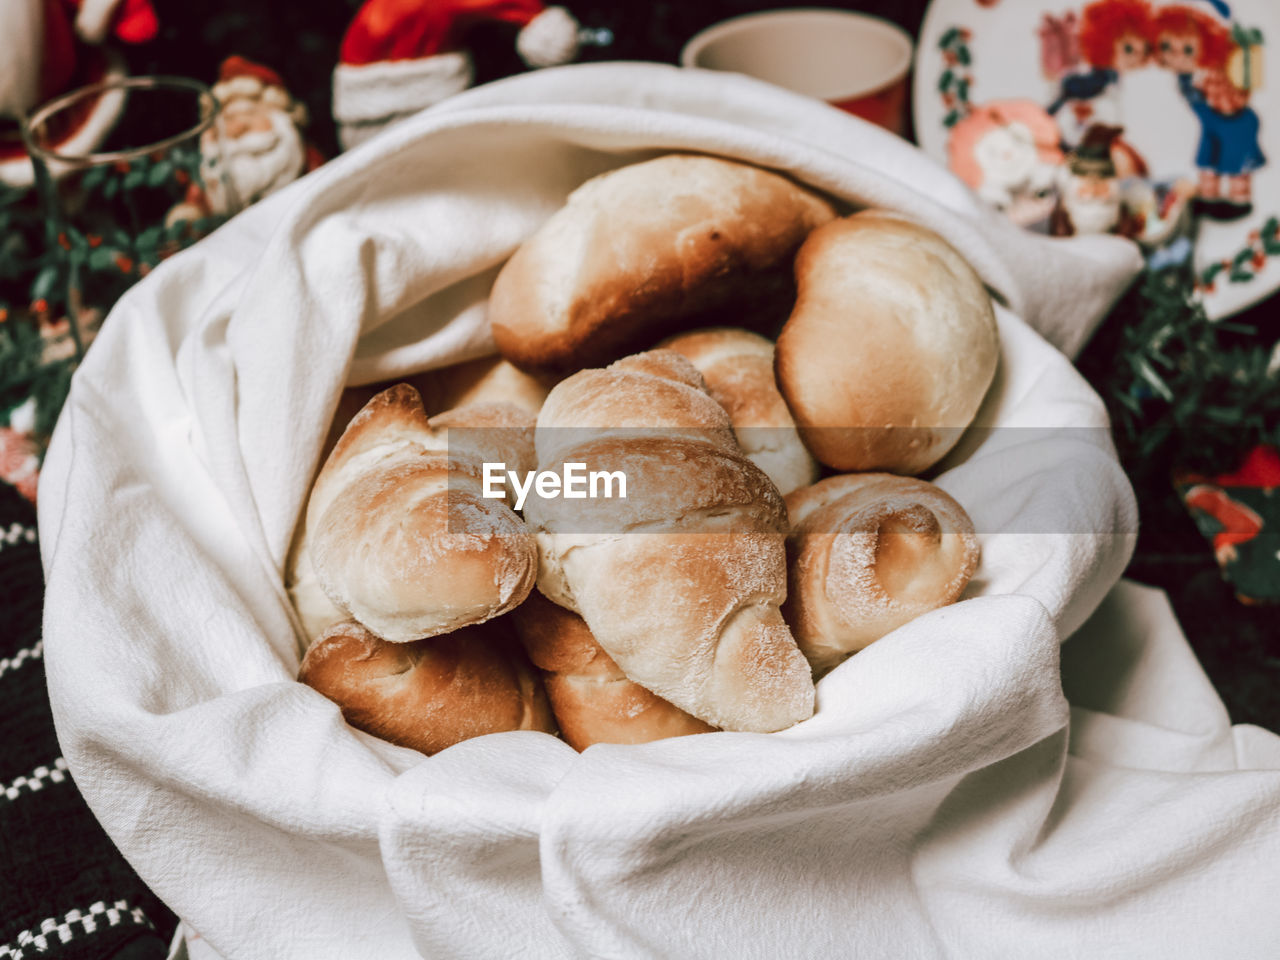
pixel 1087 55
pixel 1217 68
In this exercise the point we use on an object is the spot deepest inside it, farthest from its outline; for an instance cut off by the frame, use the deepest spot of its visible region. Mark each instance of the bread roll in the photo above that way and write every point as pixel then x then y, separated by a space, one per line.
pixel 737 366
pixel 868 553
pixel 637 250
pixel 401 537
pixel 682 581
pixel 316 612
pixel 430 694
pixel 658 393
pixel 890 348
pixel 486 380
pixel 591 698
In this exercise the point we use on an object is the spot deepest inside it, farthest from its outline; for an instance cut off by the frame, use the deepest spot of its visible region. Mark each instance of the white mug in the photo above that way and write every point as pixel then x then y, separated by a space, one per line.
pixel 853 61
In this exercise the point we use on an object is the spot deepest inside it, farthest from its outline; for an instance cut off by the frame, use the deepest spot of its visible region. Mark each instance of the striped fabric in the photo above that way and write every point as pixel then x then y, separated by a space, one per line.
pixel 65 891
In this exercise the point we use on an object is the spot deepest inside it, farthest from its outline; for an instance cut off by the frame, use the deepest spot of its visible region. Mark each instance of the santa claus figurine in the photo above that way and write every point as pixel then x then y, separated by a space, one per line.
pixel 257 145
pixel 1089 195
pixel 401 56
pixel 255 148
pixel 51 46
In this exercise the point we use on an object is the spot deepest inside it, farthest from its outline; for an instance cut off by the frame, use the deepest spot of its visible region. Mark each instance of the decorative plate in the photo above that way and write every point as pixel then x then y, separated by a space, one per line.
pixel 1156 120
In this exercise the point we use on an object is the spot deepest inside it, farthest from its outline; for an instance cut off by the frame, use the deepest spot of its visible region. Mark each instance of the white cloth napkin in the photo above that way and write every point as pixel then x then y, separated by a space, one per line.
pixel 932 807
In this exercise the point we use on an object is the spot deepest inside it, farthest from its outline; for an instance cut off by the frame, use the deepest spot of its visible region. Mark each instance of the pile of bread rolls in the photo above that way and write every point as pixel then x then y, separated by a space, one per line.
pixel 768 372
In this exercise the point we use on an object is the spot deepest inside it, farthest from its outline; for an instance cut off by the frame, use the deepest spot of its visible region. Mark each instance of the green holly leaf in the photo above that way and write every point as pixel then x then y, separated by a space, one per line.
pixel 45 285
pixel 952 119
pixel 944 82
pixel 103 258
pixel 1270 235
pixel 94 178
pixel 160 174
pixel 1211 273
pixel 151 236
pixel 110 187
pixel 948 38
pixel 962 55
pixel 962 91
pixel 134 178
pixel 78 241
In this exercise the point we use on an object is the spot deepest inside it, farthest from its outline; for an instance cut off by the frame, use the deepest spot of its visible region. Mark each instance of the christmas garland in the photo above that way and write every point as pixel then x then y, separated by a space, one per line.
pixel 41 257
pixel 1183 391
pixel 957 77
pixel 1246 264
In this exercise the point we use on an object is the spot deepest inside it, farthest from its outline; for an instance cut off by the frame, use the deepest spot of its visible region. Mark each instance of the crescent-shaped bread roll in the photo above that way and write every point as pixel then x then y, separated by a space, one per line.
pixel 429 694
pixel 486 380
pixel 637 250
pixel 890 347
pixel 658 393
pixel 737 366
pixel 868 553
pixel 681 582
pixel 401 536
pixel 591 698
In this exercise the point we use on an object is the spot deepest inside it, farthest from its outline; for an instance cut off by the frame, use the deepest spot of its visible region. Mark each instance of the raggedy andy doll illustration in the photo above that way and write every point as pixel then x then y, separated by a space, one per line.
pixel 1215 75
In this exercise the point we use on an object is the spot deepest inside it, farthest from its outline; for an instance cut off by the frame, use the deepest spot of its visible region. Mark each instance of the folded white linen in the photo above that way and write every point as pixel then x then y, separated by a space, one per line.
pixel 910 817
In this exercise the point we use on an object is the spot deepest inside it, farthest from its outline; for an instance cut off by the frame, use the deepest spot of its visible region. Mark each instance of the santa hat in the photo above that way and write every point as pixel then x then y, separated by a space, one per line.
pixel 243 79
pixel 401 56
pixel 133 21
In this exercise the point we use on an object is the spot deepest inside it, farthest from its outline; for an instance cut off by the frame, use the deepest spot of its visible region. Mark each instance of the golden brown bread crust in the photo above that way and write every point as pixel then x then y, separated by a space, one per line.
pixel 486 380
pixel 737 366
pixel 481 431
pixel 650 393
pixel 868 553
pixel 401 537
pixel 675 483
pixel 637 250
pixel 429 694
pixel 681 583
pixel 890 348
pixel 591 698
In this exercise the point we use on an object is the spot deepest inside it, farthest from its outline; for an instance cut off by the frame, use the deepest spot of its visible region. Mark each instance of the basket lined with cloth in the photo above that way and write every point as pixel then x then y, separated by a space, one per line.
pixel 931 806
